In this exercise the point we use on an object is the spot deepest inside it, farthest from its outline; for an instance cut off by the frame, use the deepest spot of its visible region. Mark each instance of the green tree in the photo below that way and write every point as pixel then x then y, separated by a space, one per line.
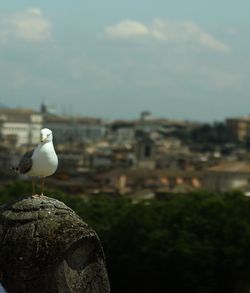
pixel 187 243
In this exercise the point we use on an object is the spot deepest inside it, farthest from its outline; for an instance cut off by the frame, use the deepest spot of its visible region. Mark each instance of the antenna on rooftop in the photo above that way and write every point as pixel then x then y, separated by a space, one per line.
pixel 46 108
pixel 43 107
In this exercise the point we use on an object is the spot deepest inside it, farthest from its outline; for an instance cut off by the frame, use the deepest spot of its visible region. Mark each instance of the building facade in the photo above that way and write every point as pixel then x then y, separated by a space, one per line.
pixel 21 127
pixel 239 128
pixel 74 130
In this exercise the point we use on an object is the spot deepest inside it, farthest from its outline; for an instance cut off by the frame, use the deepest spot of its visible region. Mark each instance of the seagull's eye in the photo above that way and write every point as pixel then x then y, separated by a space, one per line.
pixel 48 134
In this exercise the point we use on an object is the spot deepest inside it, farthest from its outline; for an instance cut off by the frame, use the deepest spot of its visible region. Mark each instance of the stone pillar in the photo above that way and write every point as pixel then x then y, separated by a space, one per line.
pixel 46 247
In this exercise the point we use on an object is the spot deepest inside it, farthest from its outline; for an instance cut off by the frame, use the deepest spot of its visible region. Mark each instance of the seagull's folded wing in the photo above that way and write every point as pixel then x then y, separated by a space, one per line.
pixel 26 162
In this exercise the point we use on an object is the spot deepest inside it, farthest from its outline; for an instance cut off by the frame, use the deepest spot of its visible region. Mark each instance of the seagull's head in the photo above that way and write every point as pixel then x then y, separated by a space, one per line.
pixel 46 135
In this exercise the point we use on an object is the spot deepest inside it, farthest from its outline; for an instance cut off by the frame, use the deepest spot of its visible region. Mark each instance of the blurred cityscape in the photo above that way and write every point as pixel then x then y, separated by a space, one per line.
pixel 143 158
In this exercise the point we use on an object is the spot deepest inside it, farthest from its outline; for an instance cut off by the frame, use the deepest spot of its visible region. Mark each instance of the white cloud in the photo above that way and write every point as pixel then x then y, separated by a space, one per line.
pixel 34 11
pixel 207 40
pixel 29 25
pixel 127 29
pixel 167 31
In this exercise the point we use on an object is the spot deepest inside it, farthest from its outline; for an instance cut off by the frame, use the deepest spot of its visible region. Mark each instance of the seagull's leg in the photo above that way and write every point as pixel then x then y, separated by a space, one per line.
pixel 34 195
pixel 42 185
pixel 33 186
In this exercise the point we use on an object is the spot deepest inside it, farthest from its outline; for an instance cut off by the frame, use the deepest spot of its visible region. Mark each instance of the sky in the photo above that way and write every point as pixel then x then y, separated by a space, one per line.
pixel 113 59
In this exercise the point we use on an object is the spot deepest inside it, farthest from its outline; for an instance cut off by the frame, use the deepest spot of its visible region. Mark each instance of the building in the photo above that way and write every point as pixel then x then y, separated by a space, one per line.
pixel 227 176
pixel 20 127
pixel 145 152
pixel 122 131
pixel 74 130
pixel 239 128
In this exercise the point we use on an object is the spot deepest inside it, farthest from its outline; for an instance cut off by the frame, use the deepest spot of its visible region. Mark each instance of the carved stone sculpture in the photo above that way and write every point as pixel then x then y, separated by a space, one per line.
pixel 46 247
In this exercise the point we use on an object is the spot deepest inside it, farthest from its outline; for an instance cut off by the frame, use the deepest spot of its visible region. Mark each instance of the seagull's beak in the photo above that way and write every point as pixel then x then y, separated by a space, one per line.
pixel 43 138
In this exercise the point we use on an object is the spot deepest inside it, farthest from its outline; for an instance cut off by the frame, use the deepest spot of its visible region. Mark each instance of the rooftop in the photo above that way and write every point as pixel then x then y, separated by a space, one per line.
pixel 241 167
pixel 64 119
pixel 17 114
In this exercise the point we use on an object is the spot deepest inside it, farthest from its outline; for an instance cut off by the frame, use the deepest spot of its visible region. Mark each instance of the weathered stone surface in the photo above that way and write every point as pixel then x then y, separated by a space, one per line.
pixel 46 247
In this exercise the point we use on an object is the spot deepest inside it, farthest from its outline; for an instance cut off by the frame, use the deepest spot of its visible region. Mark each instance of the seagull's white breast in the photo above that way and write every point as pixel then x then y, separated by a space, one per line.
pixel 44 160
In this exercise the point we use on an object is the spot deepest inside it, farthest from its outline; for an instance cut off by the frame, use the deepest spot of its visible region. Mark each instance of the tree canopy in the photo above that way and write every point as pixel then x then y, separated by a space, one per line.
pixel 185 243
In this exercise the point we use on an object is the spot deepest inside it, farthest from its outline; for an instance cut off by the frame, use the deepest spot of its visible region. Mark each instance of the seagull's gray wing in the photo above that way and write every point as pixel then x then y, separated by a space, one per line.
pixel 26 162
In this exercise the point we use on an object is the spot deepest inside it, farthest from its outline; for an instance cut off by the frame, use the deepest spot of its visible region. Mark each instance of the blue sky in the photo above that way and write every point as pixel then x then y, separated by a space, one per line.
pixel 113 59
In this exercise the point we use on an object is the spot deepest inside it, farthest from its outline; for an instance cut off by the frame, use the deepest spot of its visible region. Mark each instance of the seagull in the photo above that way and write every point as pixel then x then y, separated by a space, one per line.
pixel 41 161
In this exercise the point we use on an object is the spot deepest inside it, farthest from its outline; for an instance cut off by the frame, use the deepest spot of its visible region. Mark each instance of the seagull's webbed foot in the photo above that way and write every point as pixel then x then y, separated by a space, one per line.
pixel 35 195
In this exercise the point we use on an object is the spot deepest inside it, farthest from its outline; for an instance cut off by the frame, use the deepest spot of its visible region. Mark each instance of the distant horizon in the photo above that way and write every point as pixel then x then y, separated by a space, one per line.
pixel 152 116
